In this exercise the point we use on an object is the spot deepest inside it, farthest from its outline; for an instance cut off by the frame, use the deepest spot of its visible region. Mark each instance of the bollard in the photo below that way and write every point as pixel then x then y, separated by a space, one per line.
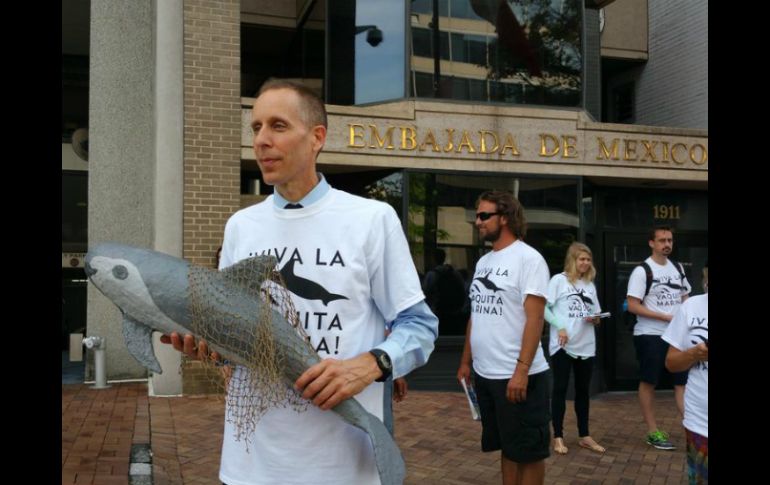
pixel 98 345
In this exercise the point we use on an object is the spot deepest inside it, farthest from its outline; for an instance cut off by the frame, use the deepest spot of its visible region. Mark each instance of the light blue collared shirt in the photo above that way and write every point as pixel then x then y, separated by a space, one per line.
pixel 414 330
pixel 321 188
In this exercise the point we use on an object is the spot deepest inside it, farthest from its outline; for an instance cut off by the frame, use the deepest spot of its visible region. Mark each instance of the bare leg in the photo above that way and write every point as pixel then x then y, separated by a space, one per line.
pixel 532 473
pixel 522 473
pixel 647 402
pixel 679 396
pixel 510 471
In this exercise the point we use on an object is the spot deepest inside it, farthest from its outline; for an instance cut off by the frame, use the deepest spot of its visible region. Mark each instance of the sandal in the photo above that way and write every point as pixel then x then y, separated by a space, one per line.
pixel 589 443
pixel 558 446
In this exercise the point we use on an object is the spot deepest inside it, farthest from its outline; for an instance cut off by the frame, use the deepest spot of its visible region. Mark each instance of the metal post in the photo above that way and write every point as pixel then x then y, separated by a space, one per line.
pixel 98 345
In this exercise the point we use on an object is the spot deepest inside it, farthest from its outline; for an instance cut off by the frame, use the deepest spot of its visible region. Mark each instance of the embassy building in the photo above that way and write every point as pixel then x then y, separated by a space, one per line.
pixel 593 113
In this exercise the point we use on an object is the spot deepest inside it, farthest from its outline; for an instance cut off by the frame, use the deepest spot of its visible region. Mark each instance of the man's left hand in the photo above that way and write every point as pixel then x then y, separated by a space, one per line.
pixel 516 391
pixel 331 381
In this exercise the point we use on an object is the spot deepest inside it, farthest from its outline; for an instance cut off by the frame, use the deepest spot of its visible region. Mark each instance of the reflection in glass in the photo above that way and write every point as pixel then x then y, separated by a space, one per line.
pixel 524 51
pixel 366 51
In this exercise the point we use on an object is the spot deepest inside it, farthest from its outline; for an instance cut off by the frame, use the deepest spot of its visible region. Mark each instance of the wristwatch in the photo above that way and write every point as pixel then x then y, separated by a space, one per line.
pixel 384 363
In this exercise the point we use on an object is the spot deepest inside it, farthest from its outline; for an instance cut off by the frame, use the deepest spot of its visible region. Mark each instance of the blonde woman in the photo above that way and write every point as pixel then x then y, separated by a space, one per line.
pixel 572 304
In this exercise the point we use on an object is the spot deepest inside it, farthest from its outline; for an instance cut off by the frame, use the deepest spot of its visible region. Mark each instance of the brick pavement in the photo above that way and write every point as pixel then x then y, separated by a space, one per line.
pixel 437 437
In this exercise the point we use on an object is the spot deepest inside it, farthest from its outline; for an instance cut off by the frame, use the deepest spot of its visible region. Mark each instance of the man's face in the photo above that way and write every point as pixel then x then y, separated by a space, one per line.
pixel 285 147
pixel 663 243
pixel 489 230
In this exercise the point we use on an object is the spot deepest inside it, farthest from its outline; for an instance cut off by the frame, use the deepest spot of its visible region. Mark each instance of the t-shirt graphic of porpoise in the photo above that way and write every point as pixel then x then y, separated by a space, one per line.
pixel 305 288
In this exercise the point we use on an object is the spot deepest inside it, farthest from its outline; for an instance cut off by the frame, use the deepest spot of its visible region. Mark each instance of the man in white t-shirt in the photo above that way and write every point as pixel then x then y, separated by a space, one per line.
pixel 508 295
pixel 654 307
pixel 347 266
pixel 688 334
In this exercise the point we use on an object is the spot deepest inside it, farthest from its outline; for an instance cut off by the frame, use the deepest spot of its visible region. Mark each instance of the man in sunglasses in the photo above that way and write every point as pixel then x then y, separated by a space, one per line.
pixel 508 295
pixel 347 266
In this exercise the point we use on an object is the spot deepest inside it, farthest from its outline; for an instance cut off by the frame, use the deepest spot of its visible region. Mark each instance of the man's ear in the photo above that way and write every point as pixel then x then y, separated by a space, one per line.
pixel 319 137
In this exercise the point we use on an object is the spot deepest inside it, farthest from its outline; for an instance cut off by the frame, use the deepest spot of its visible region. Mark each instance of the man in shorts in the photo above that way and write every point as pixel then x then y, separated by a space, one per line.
pixel 508 294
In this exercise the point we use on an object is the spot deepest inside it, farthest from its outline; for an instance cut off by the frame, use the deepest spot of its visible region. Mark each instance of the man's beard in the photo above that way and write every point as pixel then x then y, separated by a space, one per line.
pixel 492 236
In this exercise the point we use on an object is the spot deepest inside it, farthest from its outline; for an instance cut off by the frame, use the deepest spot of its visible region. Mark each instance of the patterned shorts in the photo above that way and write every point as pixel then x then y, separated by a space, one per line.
pixel 697 458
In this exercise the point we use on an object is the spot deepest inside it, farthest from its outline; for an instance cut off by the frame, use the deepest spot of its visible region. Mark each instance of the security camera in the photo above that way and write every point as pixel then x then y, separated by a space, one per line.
pixel 374 37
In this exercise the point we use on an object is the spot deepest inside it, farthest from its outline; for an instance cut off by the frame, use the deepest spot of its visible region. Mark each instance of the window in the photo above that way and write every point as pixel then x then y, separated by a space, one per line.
pixel 623 110
pixel 527 52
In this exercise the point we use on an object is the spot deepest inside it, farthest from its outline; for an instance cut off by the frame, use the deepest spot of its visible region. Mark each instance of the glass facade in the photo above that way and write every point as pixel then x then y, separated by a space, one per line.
pixel 522 52
pixel 366 45
pixel 268 51
pixel 369 51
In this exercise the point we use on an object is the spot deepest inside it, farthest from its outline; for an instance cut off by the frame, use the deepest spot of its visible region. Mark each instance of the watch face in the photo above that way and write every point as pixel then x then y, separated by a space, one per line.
pixel 384 361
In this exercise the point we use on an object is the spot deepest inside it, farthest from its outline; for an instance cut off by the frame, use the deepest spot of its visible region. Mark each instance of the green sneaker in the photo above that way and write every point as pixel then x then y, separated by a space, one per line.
pixel 659 440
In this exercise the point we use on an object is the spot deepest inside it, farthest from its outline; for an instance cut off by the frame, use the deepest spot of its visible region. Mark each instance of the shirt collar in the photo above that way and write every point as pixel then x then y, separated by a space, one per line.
pixel 321 188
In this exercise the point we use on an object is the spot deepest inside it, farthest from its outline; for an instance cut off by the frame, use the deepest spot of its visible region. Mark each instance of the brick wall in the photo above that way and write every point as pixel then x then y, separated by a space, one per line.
pixel 212 137
pixel 672 89
pixel 212 123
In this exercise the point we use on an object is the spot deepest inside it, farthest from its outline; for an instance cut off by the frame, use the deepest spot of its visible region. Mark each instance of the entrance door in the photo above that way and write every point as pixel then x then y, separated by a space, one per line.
pixel 622 253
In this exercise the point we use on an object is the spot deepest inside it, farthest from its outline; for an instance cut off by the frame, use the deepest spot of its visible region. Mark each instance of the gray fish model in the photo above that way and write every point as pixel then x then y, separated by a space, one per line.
pixel 152 290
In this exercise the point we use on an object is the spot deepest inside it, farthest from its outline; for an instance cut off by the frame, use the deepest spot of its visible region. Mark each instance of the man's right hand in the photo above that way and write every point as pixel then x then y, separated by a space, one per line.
pixel 186 345
pixel 464 373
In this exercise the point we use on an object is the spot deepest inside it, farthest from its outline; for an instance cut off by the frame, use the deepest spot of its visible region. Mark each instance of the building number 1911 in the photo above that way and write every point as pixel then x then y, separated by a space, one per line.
pixel 666 211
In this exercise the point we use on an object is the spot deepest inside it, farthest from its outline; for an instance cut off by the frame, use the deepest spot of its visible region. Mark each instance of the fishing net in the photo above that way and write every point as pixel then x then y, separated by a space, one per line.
pixel 224 314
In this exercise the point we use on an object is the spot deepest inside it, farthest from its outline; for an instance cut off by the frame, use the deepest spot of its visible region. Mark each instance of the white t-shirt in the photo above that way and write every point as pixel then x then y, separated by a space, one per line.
pixel 501 283
pixel 665 294
pixel 690 327
pixel 347 264
pixel 572 304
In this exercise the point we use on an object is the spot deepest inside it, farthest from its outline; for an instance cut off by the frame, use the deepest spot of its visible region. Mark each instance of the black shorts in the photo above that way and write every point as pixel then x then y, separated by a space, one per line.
pixel 522 429
pixel 651 353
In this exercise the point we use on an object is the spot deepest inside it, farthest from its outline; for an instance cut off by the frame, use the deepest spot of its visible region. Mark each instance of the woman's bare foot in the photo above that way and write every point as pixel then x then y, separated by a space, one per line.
pixel 589 443
pixel 558 446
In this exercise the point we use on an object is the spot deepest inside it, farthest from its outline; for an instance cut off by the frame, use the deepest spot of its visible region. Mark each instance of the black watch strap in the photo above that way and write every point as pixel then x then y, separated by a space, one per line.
pixel 384 363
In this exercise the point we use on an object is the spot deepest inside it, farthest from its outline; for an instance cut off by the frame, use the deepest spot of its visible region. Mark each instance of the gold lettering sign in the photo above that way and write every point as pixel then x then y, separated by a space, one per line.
pixel 673 152
pixel 703 154
pixel 381 141
pixel 510 143
pixel 430 138
pixel 607 153
pixel 411 138
pixel 354 135
pixel 483 141
pixel 486 142
pixel 630 149
pixel 466 142
pixel 656 152
pixel 570 150
pixel 544 139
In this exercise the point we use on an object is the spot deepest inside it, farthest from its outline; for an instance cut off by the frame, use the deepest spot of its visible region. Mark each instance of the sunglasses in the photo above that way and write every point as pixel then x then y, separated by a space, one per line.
pixel 486 215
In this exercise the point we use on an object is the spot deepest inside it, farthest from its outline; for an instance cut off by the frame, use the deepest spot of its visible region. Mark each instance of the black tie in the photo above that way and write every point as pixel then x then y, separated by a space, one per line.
pixel 292 206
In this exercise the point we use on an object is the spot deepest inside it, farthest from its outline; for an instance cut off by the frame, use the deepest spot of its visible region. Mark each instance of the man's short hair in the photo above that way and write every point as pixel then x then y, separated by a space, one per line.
pixel 510 207
pixel 662 227
pixel 313 108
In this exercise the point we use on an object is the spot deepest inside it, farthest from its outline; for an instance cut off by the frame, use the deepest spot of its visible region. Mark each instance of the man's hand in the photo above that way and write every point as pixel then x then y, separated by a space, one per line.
pixel 399 389
pixel 516 391
pixel 464 373
pixel 331 381
pixel 186 345
pixel 699 353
